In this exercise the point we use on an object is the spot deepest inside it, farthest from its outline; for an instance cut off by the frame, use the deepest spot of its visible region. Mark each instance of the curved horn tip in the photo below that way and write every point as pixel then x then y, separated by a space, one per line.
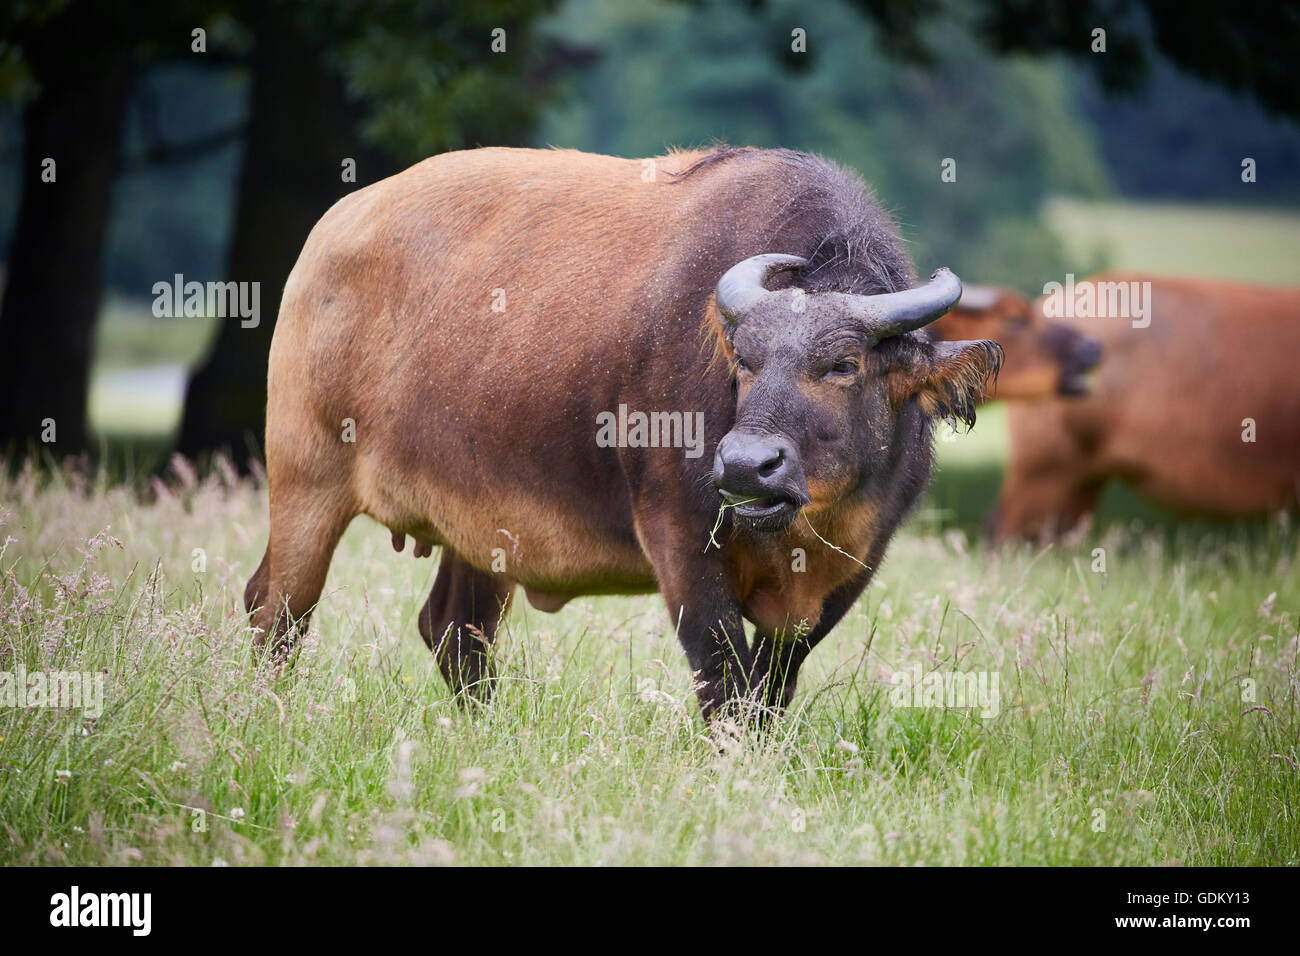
pixel 894 313
pixel 945 276
pixel 943 273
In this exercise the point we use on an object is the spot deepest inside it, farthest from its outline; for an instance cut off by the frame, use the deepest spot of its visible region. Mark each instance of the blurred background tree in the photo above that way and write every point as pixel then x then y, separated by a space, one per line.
pixel 309 84
pixel 328 80
pixel 215 165
pixel 68 69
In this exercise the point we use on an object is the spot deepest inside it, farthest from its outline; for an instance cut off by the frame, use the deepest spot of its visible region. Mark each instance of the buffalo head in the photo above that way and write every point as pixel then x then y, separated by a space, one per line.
pixel 1044 358
pixel 822 381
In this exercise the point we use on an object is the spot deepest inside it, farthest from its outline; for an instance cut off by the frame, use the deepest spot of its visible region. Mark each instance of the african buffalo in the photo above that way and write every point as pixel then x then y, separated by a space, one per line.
pixel 1043 358
pixel 1195 406
pixel 463 351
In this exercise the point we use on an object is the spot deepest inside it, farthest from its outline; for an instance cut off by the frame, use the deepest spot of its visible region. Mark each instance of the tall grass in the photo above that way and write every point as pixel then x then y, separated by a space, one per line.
pixel 1124 732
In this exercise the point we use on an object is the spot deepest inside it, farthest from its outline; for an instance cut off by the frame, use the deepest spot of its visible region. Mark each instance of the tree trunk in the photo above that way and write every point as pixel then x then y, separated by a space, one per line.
pixel 300 130
pixel 52 293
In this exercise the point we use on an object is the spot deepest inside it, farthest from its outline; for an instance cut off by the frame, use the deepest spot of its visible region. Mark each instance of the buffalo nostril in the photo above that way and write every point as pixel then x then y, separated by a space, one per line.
pixel 770 467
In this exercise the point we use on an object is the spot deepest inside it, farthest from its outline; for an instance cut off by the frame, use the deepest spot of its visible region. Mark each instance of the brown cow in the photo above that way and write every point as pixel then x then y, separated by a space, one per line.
pixel 1043 358
pixel 1171 409
pixel 487 326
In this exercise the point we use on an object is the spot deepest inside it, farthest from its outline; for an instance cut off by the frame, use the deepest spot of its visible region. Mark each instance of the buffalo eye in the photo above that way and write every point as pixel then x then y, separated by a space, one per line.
pixel 842 369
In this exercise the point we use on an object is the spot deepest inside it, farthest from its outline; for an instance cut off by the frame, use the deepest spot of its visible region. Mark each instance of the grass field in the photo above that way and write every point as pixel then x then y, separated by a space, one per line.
pixel 1231 242
pixel 1144 715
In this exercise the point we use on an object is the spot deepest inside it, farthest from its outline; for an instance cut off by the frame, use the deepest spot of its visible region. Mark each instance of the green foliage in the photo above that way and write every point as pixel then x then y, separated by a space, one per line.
pixel 686 76
pixel 1180 137
pixel 1022 252
pixel 421 72
pixel 1244 48
pixel 427 74
pixel 425 80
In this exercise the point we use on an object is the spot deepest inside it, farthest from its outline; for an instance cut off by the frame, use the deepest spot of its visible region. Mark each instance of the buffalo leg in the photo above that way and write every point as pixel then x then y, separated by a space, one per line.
pixel 711 632
pixel 1043 506
pixel 459 623
pixel 305 530
pixel 1053 475
pixel 778 657
pixel 255 590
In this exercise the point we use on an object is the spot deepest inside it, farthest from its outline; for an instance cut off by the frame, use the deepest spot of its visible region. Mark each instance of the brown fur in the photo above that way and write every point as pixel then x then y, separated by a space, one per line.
pixel 1165 413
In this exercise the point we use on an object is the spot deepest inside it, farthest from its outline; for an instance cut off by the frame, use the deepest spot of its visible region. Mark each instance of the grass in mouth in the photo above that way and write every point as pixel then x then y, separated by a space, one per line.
pixel 722 509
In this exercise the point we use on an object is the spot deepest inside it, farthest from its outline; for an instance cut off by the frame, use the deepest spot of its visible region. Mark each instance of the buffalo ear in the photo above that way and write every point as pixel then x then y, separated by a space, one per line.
pixel 955 378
